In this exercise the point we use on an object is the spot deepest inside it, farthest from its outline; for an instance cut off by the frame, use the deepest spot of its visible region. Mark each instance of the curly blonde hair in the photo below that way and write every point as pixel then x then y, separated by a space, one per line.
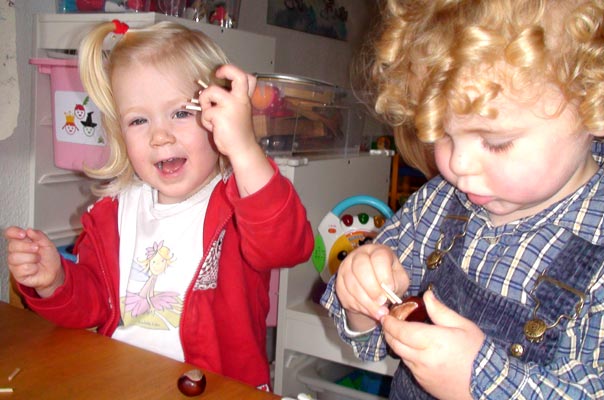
pixel 166 46
pixel 417 64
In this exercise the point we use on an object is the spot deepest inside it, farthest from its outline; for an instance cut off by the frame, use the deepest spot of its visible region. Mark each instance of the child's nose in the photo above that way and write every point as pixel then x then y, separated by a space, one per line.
pixel 161 135
pixel 464 162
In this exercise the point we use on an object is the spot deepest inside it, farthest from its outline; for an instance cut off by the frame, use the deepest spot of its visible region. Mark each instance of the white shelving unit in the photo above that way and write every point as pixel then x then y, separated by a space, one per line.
pixel 251 51
pixel 59 196
pixel 304 330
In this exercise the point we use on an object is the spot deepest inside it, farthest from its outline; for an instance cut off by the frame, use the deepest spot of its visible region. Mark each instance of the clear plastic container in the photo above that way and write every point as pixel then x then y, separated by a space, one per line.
pixel 297 115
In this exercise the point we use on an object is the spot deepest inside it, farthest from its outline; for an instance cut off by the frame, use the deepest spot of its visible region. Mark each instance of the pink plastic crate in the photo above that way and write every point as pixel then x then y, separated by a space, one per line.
pixel 78 136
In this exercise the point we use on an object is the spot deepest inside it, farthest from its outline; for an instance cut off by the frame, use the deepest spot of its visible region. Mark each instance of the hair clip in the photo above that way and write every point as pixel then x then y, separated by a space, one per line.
pixel 120 27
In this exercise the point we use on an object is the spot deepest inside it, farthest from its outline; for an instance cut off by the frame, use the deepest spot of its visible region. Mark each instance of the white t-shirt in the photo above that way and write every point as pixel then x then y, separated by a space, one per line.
pixel 160 250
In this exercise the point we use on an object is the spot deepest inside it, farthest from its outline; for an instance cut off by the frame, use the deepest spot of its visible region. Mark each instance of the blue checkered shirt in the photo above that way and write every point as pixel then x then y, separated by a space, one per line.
pixel 507 260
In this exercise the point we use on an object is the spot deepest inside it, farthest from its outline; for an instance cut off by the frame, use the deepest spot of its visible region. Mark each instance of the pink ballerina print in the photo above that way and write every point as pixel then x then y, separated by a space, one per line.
pixel 149 308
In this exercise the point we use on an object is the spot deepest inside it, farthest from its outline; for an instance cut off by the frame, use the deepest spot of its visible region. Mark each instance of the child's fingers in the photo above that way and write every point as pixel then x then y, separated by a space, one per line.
pixel 362 269
pixel 355 297
pixel 22 246
pixel 39 237
pixel 240 81
pixel 360 278
pixel 407 339
pixel 416 335
pixel 384 261
pixel 23 263
pixel 386 270
pixel 251 79
pixel 439 313
pixel 14 232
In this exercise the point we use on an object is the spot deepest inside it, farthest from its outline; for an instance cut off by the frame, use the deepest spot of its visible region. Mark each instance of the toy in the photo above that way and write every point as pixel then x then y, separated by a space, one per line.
pixel 339 233
pixel 220 17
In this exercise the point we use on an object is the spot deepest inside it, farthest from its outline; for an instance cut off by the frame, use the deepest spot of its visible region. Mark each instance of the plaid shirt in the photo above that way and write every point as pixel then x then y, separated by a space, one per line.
pixel 507 260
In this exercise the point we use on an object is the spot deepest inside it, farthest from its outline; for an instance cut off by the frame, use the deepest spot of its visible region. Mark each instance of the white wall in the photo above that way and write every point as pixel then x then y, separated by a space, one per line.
pixel 297 53
pixel 14 151
pixel 309 55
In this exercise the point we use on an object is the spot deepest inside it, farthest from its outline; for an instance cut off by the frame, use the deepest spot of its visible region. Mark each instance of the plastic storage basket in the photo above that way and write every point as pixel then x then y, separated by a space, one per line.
pixel 78 137
pixel 322 376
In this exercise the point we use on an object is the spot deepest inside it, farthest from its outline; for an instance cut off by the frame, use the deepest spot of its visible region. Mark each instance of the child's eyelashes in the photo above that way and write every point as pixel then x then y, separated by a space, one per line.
pixel 137 121
pixel 497 147
pixel 180 114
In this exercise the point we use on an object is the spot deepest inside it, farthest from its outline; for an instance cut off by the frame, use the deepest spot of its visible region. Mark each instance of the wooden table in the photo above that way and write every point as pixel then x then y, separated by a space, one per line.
pixel 60 363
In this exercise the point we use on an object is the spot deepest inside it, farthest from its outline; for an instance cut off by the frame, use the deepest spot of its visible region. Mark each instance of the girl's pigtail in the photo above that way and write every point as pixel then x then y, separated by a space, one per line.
pixel 93 73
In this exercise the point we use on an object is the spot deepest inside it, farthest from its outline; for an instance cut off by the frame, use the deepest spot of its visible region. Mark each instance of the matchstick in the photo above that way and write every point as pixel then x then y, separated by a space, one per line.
pixel 192 107
pixel 15 372
pixel 394 299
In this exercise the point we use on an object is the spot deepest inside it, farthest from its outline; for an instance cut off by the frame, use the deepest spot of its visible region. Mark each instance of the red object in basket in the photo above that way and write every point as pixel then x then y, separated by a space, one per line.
pixel 139 5
pixel 90 5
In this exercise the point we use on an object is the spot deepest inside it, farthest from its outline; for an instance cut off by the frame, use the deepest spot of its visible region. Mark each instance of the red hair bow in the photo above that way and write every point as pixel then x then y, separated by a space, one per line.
pixel 120 27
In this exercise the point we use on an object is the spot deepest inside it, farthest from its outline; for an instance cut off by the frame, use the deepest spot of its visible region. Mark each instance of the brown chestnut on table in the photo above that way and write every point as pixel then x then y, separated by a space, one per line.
pixel 411 309
pixel 192 383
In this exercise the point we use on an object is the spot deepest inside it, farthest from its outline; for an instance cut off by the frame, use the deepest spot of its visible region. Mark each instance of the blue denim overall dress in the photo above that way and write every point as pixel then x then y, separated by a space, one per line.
pixel 559 291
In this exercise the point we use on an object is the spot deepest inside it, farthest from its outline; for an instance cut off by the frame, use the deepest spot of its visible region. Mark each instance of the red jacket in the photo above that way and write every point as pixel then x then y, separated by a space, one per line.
pixel 222 329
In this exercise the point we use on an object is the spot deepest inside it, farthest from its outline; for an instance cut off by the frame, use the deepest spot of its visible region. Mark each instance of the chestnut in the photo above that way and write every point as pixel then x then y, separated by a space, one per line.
pixel 192 383
pixel 411 309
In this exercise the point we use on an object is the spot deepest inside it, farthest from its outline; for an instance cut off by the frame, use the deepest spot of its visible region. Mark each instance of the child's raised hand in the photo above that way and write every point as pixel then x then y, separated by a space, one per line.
pixel 34 260
pixel 358 284
pixel 440 356
pixel 228 113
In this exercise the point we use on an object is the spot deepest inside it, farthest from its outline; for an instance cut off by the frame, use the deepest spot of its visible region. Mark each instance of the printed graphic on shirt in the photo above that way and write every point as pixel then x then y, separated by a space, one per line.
pixel 143 306
pixel 208 275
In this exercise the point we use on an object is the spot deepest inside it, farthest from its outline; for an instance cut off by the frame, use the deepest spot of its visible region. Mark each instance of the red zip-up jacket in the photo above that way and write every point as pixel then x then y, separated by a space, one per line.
pixel 222 326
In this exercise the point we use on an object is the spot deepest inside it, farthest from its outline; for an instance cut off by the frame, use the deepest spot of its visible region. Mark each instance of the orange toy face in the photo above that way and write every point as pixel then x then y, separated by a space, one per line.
pixel 264 96
pixel 346 244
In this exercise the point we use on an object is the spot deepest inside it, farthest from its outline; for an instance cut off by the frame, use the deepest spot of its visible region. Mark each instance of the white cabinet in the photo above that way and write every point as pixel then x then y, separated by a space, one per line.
pixel 304 329
pixel 253 52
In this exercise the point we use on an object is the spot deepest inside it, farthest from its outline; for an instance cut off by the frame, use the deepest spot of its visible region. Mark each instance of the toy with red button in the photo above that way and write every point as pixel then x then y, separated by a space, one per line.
pixel 339 233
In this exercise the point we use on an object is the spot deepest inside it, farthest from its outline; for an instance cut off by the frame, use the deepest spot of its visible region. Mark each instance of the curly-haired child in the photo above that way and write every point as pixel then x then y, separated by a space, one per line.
pixel 506 245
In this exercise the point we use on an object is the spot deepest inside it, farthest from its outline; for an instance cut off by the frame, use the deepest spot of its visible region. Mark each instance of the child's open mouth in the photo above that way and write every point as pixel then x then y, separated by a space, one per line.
pixel 171 165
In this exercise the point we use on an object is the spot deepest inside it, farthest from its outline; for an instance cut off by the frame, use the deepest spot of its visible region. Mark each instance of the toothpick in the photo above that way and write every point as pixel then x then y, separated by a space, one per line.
pixel 192 107
pixel 6 390
pixel 394 299
pixel 202 84
pixel 15 372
